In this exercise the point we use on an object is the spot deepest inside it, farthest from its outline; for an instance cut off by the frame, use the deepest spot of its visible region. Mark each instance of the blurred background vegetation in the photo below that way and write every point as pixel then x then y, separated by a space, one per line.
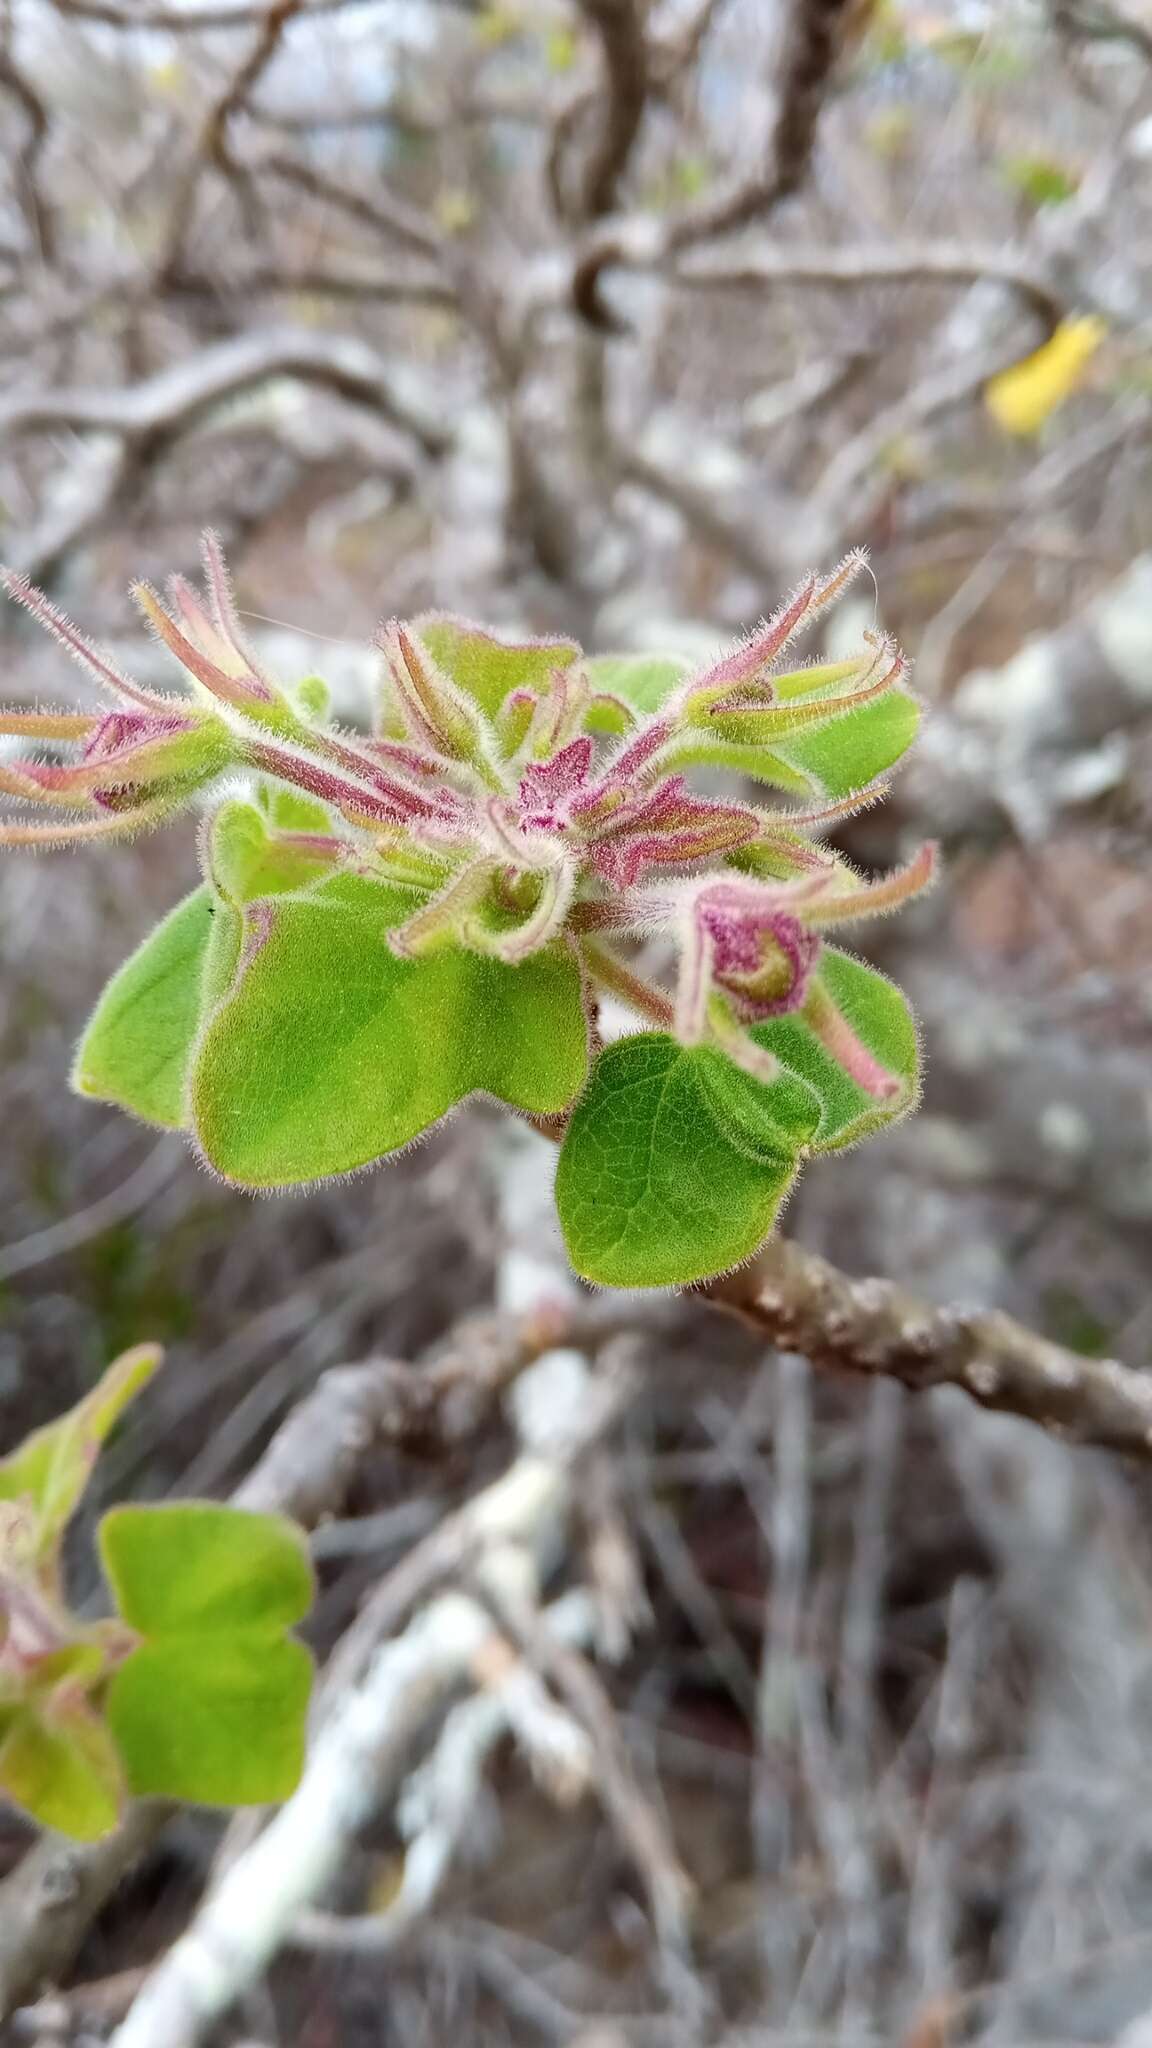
pixel 615 317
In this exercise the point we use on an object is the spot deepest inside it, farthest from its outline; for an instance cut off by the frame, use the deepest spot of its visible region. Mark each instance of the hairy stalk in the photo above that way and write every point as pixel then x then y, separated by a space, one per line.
pixel 632 989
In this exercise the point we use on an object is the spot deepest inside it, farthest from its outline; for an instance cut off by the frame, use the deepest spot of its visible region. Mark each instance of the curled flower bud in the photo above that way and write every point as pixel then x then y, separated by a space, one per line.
pixel 750 666
pixel 747 941
pixel 207 641
pixel 762 956
pixel 133 764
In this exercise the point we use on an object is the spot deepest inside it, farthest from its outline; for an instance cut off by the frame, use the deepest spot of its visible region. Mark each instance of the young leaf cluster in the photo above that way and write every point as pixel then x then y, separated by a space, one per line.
pixel 390 922
pixel 193 1689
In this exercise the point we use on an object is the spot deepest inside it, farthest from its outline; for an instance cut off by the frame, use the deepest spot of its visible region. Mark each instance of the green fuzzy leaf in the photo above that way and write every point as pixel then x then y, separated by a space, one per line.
pixel 289 810
pixel 329 1052
pixel 313 698
pixel 212 1705
pixel 850 753
pixel 51 1468
pixel 487 668
pixel 221 958
pixel 59 1762
pixel 246 862
pixel 675 1164
pixel 697 748
pixel 832 760
pixel 78 1664
pixel 766 1121
pixel 881 1018
pixel 643 680
pixel 136 1049
pixel 199 1566
pixel 218 1721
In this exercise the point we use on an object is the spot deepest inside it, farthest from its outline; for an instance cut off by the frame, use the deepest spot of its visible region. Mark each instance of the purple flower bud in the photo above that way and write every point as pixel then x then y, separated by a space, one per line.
pixel 547 787
pixel 762 954
pixel 664 827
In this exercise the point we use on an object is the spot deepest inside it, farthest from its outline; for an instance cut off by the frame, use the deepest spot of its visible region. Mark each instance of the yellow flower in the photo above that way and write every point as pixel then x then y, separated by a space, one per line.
pixel 1023 397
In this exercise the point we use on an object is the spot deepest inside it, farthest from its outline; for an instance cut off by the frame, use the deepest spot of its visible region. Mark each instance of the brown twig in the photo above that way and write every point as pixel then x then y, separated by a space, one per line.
pixel 810 50
pixel 213 148
pixel 26 161
pixel 620 28
pixel 792 1297
pixel 846 268
pixel 175 399
pixel 177 20
pixel 638 1822
pixel 383 213
pixel 799 1302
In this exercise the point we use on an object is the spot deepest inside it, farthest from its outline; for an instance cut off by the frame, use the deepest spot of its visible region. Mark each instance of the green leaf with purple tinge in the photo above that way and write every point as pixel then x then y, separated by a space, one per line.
pixel 853 751
pixel 59 1762
pixel 136 1048
pixel 486 667
pixel 643 681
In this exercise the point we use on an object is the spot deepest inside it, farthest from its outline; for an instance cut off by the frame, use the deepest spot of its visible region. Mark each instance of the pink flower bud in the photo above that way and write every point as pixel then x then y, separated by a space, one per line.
pixel 762 954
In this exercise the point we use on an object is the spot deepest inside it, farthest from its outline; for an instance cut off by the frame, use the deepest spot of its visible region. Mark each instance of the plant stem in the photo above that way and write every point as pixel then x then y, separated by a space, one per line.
pixel 612 974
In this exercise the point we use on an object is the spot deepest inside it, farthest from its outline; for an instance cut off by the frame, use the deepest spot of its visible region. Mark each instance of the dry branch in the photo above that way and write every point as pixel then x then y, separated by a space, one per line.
pixel 177 20
pixel 810 50
pixel 50 1900
pixel 362 1753
pixel 172 402
pixel 799 1302
pixel 796 1300
pixel 26 163
pixel 892 263
pixel 621 31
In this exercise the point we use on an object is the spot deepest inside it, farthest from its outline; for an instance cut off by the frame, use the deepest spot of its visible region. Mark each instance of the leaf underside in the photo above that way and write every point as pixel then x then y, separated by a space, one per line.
pixel 135 1049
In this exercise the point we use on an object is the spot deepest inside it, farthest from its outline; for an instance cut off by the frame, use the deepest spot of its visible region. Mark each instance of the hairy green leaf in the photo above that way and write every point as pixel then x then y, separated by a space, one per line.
pixel 329 1052
pixel 488 668
pixel 219 1721
pixel 851 752
pixel 881 1019
pixel 211 1706
pixel 136 1049
pixel 698 748
pixel 59 1762
pixel 675 1164
pixel 202 1566
pixel 643 680
pixel 289 810
pixel 246 861
pixel 832 760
